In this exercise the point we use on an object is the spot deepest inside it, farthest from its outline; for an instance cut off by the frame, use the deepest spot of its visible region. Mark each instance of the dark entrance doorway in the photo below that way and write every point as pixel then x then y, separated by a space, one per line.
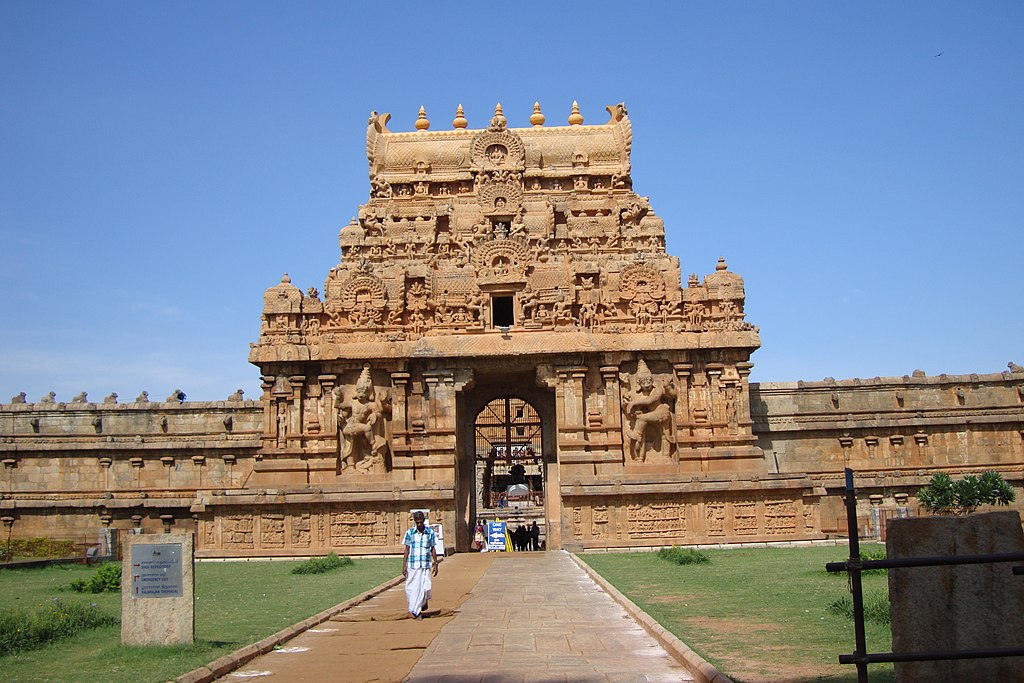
pixel 509 461
pixel 508 466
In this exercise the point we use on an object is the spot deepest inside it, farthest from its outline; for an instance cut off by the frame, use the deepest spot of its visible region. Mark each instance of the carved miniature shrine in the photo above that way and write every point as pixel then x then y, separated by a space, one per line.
pixel 514 264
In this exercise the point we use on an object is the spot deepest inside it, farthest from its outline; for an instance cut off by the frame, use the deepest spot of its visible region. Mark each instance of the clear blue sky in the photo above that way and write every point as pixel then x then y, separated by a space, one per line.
pixel 861 164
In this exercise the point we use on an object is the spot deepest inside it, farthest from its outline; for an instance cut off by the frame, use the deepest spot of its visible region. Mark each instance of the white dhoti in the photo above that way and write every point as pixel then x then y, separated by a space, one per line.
pixel 417 589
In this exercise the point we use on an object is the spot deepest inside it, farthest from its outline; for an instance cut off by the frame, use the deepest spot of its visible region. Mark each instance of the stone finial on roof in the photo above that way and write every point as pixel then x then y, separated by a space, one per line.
pixel 459 122
pixel 498 121
pixel 421 120
pixel 575 118
pixel 722 265
pixel 537 118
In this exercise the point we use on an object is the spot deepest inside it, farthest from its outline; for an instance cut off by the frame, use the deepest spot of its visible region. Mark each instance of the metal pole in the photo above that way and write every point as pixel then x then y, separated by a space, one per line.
pixel 855 583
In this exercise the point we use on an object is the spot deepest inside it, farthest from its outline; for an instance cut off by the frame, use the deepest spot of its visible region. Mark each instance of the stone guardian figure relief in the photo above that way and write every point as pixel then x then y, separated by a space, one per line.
pixel 648 414
pixel 363 420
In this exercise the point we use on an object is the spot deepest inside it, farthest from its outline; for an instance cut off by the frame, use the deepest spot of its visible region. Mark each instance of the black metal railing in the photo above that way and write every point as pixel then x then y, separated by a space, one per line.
pixel 860 656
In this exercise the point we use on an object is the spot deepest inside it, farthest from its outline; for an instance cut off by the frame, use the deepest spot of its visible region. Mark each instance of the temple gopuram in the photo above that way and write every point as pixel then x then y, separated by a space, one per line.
pixel 504 336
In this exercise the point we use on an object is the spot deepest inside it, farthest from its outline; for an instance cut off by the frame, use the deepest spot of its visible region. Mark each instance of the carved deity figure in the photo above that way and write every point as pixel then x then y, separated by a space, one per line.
pixel 379 187
pixel 362 421
pixel 528 302
pixel 282 424
pixel 648 414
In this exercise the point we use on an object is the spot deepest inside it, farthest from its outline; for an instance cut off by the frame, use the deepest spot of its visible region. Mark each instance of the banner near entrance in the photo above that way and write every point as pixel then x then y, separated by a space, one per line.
pixel 496 535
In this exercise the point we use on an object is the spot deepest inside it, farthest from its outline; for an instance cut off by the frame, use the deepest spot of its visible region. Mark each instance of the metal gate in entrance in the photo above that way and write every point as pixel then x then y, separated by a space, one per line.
pixel 508 456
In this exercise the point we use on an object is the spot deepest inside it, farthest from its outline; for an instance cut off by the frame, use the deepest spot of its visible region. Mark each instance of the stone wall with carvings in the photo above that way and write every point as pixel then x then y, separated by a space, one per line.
pixel 63 477
pixel 894 432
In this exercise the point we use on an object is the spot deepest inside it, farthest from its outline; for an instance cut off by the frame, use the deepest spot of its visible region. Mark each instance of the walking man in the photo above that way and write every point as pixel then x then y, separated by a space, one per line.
pixel 419 564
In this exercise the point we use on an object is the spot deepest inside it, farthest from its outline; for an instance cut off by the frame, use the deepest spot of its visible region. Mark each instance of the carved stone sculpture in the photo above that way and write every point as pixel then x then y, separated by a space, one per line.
pixel 143 397
pixel 239 395
pixel 49 399
pixel 362 420
pixel 81 398
pixel 177 396
pixel 112 398
pixel 19 398
pixel 648 414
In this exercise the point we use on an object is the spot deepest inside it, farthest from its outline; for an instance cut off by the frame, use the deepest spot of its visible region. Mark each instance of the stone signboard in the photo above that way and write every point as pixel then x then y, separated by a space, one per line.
pixel 157 590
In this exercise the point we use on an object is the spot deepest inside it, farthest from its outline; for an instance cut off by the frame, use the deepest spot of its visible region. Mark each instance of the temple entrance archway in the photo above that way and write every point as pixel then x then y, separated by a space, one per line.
pixel 509 468
pixel 506 458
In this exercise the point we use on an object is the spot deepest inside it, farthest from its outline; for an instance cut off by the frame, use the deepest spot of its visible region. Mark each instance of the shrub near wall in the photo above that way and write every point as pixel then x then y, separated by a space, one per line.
pixel 37 548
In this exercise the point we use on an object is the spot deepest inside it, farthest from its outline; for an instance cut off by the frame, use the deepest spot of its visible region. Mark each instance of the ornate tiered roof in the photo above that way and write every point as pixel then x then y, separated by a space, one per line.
pixel 471 238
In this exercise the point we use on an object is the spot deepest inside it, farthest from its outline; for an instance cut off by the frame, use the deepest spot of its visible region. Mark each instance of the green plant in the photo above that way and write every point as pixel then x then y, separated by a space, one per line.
pixel 22 629
pixel 876 608
pixel 683 555
pixel 106 578
pixel 38 548
pixel 944 496
pixel 319 565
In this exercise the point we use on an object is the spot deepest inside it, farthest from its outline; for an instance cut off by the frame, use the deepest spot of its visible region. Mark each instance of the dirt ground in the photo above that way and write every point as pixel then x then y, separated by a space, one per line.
pixel 377 640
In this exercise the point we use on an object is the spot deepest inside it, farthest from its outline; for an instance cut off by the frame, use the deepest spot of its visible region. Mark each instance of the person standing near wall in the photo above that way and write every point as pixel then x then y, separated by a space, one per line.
pixel 419 564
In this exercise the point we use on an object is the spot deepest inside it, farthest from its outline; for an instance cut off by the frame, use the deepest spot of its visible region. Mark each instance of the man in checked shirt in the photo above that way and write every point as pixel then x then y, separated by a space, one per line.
pixel 419 564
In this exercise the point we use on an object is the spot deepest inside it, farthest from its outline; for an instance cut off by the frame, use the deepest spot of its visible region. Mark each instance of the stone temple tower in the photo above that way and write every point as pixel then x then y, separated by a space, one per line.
pixel 505 334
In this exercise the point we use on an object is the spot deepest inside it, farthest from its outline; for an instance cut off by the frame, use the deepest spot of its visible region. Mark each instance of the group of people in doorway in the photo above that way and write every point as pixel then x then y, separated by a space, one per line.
pixel 526 538
pixel 523 538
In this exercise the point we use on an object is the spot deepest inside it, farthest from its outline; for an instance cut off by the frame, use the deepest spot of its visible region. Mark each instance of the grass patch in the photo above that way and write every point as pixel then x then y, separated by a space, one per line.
pixel 237 603
pixel 679 555
pixel 27 629
pixel 319 565
pixel 876 608
pixel 761 615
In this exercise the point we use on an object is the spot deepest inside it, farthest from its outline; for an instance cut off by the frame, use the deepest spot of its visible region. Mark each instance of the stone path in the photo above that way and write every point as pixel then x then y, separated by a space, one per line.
pixel 538 618
pixel 495 618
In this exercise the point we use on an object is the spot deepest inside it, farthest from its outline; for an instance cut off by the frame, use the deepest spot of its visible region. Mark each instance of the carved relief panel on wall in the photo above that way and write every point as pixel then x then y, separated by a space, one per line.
pixel 364 425
pixel 647 407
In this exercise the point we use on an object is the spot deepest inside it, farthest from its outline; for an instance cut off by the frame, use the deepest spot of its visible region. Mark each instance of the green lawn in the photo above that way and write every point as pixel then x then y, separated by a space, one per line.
pixel 237 603
pixel 757 614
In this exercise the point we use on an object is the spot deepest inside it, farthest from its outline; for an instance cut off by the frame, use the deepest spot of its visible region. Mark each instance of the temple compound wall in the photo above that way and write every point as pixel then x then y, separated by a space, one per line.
pixel 72 469
pixel 503 324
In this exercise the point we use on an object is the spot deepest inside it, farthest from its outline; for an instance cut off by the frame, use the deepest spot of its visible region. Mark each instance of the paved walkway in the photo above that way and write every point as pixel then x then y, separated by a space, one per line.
pixel 495 618
pixel 538 618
